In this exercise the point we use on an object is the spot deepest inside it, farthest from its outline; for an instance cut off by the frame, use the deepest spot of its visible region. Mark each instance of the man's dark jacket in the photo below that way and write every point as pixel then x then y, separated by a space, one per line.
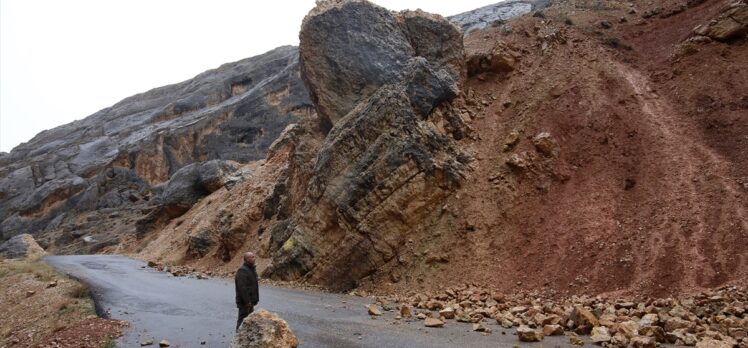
pixel 247 290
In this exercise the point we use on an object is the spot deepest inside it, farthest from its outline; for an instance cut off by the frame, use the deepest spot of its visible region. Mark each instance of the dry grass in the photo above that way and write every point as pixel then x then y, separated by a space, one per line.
pixel 79 290
pixel 39 269
pixel 44 302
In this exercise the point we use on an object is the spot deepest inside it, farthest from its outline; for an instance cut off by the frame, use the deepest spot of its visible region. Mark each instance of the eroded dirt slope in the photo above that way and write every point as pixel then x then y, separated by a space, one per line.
pixel 600 168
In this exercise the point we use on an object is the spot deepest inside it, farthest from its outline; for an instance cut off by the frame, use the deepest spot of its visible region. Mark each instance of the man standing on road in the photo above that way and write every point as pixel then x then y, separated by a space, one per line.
pixel 247 291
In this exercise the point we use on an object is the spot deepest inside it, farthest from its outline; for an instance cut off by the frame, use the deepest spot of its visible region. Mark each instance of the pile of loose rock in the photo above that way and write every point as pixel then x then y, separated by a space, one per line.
pixel 715 318
pixel 180 271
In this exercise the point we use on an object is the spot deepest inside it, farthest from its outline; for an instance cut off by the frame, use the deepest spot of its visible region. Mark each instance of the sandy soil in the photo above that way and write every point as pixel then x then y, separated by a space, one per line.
pixel 48 309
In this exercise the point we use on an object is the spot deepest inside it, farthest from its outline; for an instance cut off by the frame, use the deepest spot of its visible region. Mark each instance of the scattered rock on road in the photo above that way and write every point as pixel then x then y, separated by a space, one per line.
pixel 553 330
pixel 576 341
pixel 527 334
pixel 146 343
pixel 447 313
pixel 433 322
pixel 373 310
pixel 406 311
pixel 263 329
pixel 480 328
pixel 600 334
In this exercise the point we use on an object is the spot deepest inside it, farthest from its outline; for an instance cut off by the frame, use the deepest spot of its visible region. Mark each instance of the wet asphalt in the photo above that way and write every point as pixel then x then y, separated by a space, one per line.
pixel 188 311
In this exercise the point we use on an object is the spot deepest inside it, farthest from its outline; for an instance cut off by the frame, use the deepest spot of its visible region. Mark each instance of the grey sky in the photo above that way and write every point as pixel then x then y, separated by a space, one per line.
pixel 63 60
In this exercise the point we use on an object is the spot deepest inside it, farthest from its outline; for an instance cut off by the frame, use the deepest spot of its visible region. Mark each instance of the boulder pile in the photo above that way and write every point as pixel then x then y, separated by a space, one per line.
pixel 709 319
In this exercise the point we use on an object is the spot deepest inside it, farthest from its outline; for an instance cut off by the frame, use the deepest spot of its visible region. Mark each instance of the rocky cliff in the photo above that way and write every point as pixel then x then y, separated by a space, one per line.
pixel 132 167
pixel 96 177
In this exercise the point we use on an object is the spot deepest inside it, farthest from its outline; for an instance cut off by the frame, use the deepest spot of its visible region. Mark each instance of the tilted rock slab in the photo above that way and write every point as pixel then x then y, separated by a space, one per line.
pixel 376 78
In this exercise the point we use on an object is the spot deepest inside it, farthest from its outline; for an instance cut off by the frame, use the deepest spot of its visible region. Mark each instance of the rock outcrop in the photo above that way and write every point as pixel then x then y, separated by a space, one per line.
pixel 730 24
pixel 385 164
pixel 263 329
pixel 21 246
pixel 495 14
pixel 112 164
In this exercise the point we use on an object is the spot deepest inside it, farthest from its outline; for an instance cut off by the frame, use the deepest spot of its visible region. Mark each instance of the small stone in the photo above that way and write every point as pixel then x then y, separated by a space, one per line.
pixel 583 317
pixel 433 322
pixel 146 343
pixel 518 161
pixel 30 293
pixel 447 313
pixel 655 332
pixel 629 328
pixel 649 320
pixel 164 343
pixel 643 342
pixel 480 328
pixel 619 340
pixel 713 343
pixel 421 316
pixel 576 341
pixel 52 284
pixel 406 311
pixel 527 334
pixel 625 305
pixel 553 330
pixel 546 144
pixel 600 334
pixel 373 310
pixel 679 312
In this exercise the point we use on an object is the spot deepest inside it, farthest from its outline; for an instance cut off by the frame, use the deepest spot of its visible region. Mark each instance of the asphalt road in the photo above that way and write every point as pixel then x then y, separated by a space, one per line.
pixel 188 311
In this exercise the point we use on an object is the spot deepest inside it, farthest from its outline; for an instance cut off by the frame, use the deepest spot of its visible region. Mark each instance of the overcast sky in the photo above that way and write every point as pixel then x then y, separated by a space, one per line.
pixel 63 60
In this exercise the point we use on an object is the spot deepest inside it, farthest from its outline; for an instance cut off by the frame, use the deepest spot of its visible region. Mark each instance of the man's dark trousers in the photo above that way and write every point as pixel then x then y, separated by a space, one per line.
pixel 243 313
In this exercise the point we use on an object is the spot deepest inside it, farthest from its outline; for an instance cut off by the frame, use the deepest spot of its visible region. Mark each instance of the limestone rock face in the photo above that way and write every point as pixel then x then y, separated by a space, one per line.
pixel 495 14
pixel 263 329
pixel 349 49
pixel 117 161
pixel 21 246
pixel 384 165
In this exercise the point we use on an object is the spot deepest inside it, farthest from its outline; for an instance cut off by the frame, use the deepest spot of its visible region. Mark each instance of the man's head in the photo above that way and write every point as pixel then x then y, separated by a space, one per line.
pixel 249 258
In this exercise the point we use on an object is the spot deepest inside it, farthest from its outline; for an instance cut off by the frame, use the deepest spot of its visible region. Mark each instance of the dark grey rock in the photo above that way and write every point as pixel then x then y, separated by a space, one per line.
pixel 377 151
pixel 121 156
pixel 379 53
pixel 20 246
pixel 193 182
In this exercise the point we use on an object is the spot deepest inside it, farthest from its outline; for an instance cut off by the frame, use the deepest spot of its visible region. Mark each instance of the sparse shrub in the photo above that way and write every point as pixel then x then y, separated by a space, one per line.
pixel 616 43
pixel 78 291
pixel 613 42
pixel 58 326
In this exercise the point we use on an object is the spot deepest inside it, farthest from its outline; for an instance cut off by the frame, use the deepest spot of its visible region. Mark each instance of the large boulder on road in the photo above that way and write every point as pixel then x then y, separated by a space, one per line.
pixel 263 329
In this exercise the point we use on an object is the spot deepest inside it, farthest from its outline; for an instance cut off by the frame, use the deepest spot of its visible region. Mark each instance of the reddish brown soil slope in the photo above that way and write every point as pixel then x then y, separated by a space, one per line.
pixel 646 191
